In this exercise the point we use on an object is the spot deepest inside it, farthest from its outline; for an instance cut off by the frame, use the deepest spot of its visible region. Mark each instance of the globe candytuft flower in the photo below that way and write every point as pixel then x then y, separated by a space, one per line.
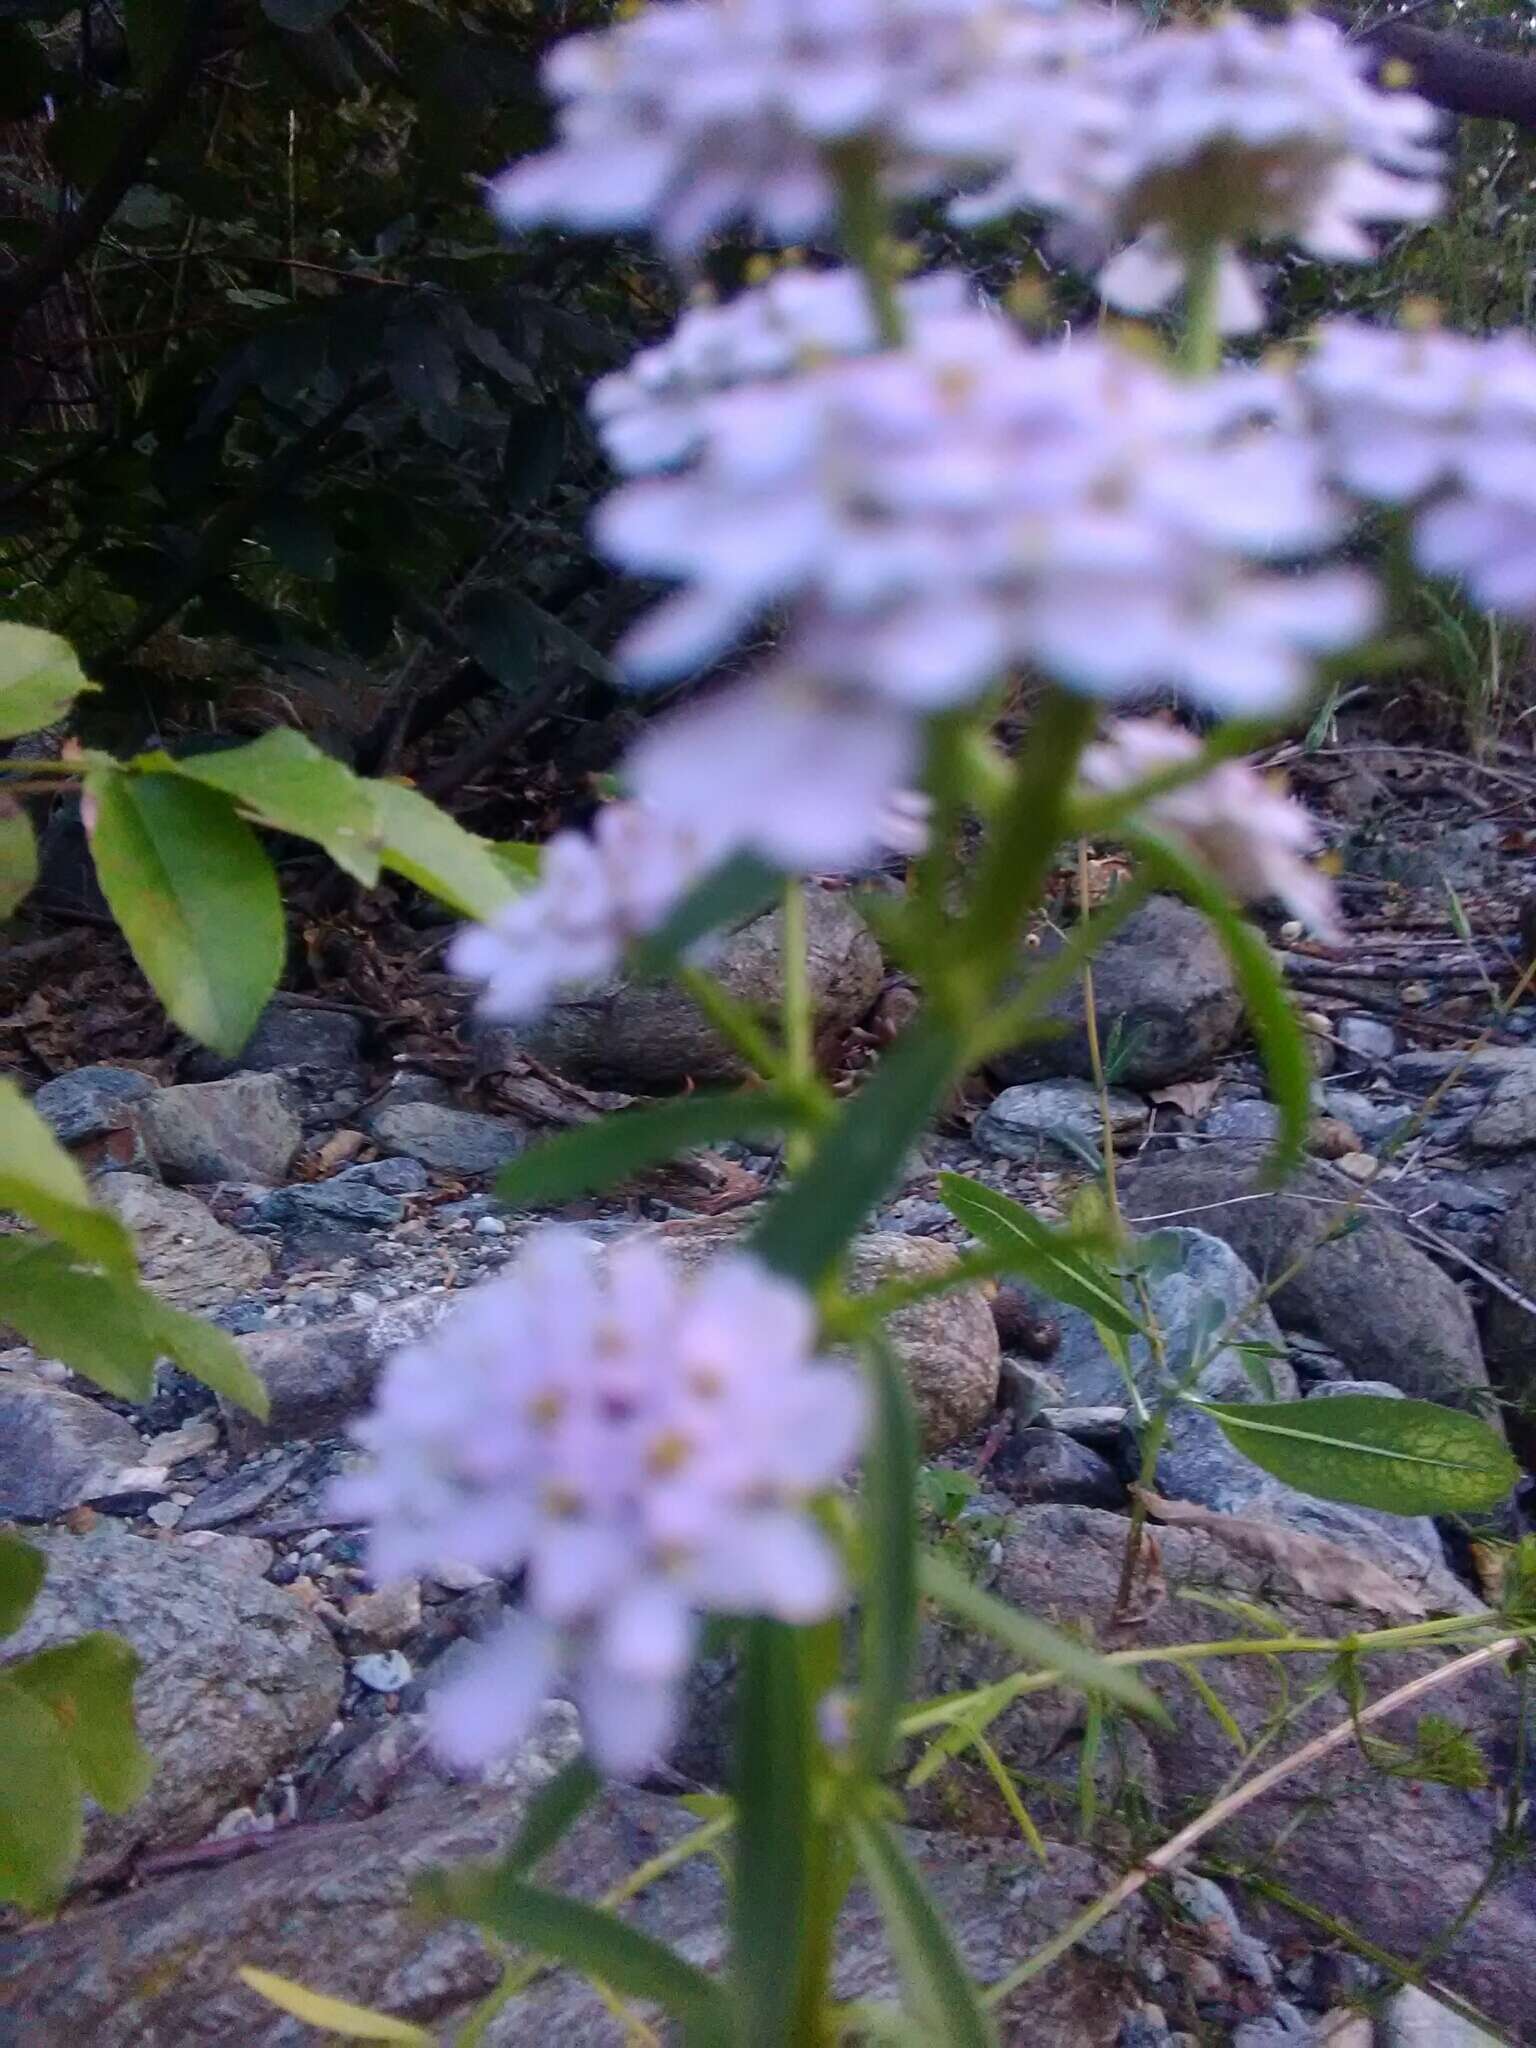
pixel 596 894
pixel 1238 823
pixel 1445 423
pixel 692 115
pixel 934 513
pixel 641 1446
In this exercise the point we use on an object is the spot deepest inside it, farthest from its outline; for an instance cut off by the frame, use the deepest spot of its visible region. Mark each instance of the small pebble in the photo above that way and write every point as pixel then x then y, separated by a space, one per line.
pixel 383 1671
pixel 490 1226
pixel 1360 1166
pixel 165 1514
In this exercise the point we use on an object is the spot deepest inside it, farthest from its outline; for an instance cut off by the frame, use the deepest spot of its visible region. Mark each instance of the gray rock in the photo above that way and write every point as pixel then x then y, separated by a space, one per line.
pixel 396 1763
pixel 1394 1860
pixel 244 1129
pixel 91 1101
pixel 185 1255
pixel 1410 2018
pixel 459 1141
pixel 649 1036
pixel 290 1036
pixel 1368 1038
pixel 1374 1119
pixel 316 1377
pixel 400 1176
pixel 1036 1466
pixel 947 1344
pixel 1250 1118
pixel 1060 1119
pixel 241 1492
pixel 332 1202
pixel 333 1908
pixel 1510 1330
pixel 236 1678
pixel 57 1448
pixel 1370 1295
pixel 383 1671
pixel 1164 996
pixel 1508 1121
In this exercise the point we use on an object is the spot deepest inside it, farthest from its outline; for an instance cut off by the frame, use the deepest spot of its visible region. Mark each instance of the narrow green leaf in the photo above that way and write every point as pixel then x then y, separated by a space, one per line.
pixel 284 781
pixel 196 898
pixel 18 856
pixel 1281 1041
pixel 334 2015
pixel 423 843
pixel 22 1572
pixel 551 1812
pixel 39 679
pixel 600 1155
pixel 40 1181
pixel 69 1311
pixel 888 1620
pixel 87 1685
pixel 40 1825
pixel 1407 1457
pixel 1053 1260
pixel 204 1352
pixel 806 1229
pixel 594 1942
pixel 740 888
pixel 1035 1642
pixel 945 2005
pixel 520 860
pixel 774 1826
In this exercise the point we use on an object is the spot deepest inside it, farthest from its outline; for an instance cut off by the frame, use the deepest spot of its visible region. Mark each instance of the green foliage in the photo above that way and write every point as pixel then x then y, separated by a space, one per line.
pixel 945 2007
pixel 888 1532
pixel 601 1154
pixel 1406 1457
pixel 18 855
pixel 334 2015
pixel 66 1732
pixel 39 679
pixel 283 780
pixel 1067 1267
pixel 776 1834
pixel 39 1180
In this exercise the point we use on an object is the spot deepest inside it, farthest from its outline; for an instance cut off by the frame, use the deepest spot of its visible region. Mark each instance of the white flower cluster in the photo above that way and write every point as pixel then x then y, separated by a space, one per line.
pixel 641 1447
pixel 1243 827
pixel 694 114
pixel 1445 422
pixel 932 514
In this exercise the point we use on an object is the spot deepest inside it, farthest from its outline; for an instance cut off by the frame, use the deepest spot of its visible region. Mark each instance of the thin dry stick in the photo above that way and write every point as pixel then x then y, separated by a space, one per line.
pixel 1177 1845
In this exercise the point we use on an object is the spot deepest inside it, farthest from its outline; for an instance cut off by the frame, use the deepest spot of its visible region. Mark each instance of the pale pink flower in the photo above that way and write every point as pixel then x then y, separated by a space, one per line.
pixel 1237 822
pixel 642 1447
pixel 596 894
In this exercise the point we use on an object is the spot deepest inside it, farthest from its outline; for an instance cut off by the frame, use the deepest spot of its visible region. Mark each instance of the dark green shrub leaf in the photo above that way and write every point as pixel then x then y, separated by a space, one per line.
pixel 39 1180
pixel 66 1310
pixel 1052 1260
pixel 87 1686
pixel 39 679
pixel 22 1571
pixel 153 28
pixel 600 1155
pixel 1407 1457
pixel 40 1827
pixel 196 898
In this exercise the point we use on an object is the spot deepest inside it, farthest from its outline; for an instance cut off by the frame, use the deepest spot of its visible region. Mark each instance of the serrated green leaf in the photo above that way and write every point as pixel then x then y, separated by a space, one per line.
pixel 1406 1457
pixel 1276 1027
pixel 424 844
pixel 943 1998
pixel 805 1230
pixel 1034 1642
pixel 283 780
pixel 39 679
pixel 196 897
pixel 40 1824
pixel 40 1181
pixel 88 1318
pixel 22 1572
pixel 18 856
pixel 888 1523
pixel 600 1155
pixel 333 2015
pixel 1052 1259
pixel 87 1685
pixel 594 1942
pixel 204 1352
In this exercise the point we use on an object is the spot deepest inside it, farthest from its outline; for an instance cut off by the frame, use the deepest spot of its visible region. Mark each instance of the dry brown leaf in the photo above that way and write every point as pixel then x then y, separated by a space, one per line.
pixel 1322 1570
pixel 1193 1097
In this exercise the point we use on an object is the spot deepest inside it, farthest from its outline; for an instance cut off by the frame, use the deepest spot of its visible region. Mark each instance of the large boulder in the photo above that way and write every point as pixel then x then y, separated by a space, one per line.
pixel 1368 1292
pixel 465 1142
pixel 332 1907
pixel 1164 998
pixel 57 1448
pixel 236 1678
pixel 649 1036
pixel 185 1254
pixel 245 1129
pixel 1395 1860
pixel 947 1343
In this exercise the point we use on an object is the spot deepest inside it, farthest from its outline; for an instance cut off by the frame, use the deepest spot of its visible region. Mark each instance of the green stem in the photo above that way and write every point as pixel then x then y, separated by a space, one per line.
pixel 1200 347
pixel 866 234
pixel 734 1021
pixel 799 1042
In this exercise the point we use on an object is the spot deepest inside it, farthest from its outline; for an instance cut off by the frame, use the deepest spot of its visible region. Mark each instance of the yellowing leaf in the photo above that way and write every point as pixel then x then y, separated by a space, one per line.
pixel 352 2022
